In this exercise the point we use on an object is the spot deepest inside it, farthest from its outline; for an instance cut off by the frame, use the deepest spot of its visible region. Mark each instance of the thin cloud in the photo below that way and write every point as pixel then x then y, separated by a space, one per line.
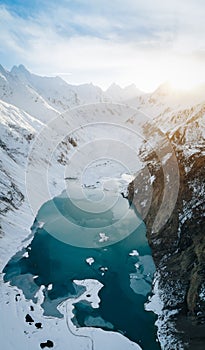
pixel 133 42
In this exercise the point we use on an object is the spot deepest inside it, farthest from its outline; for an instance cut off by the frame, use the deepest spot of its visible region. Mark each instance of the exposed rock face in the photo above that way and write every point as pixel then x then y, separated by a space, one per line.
pixel 178 246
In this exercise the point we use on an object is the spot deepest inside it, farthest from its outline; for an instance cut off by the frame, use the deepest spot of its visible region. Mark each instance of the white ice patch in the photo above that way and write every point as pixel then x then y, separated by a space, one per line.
pixel 137 266
pixel 104 269
pixel 103 237
pixel 152 178
pixel 90 261
pixel 50 286
pixel 134 253
pixel 155 303
pixel 40 224
pixel 25 255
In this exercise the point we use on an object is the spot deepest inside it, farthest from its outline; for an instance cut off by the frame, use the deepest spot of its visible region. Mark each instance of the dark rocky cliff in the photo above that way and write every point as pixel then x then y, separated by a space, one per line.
pixel 178 244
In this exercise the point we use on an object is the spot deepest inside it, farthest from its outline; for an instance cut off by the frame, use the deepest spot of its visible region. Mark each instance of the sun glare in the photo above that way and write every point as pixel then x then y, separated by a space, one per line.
pixel 184 76
pixel 181 72
pixel 183 82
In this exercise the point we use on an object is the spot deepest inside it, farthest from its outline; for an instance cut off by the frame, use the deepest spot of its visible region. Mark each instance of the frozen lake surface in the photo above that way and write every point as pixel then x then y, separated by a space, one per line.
pixel 90 234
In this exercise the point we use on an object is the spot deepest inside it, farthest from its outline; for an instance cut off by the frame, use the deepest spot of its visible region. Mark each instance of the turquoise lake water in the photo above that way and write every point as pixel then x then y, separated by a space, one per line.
pixel 67 233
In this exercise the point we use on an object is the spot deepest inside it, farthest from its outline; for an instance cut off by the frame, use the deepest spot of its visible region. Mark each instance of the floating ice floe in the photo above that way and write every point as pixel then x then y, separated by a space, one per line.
pixel 40 224
pixel 50 286
pixel 90 261
pixel 104 268
pixel 103 237
pixel 134 253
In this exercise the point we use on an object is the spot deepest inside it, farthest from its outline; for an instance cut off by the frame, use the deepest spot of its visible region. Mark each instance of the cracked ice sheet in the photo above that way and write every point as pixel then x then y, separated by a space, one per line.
pixel 15 333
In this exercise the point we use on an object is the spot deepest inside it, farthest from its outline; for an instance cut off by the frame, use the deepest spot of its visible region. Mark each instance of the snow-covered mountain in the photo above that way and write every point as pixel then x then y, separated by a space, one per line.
pixel 56 91
pixel 44 97
pixel 165 129
pixel 175 222
pixel 116 93
pixel 165 100
pixel 15 91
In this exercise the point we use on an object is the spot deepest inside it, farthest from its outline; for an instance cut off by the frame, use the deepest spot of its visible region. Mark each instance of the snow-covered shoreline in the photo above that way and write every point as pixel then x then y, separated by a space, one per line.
pixel 14 331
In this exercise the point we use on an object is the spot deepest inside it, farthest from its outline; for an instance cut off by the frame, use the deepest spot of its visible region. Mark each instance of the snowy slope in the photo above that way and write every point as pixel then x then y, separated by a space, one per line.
pixel 60 95
pixel 22 95
pixel 165 101
pixel 18 130
pixel 57 92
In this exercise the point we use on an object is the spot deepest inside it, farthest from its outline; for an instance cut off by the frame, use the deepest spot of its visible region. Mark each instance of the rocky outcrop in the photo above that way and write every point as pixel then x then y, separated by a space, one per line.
pixel 178 245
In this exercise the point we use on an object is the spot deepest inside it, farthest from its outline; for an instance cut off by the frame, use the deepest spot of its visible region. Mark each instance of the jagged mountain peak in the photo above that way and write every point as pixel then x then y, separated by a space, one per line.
pixel 21 73
pixel 19 68
pixel 132 89
pixel 113 88
pixel 129 92
pixel 2 70
pixel 3 73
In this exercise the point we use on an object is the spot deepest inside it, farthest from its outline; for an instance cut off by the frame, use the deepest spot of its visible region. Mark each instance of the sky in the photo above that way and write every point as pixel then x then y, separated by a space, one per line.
pixel 145 42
